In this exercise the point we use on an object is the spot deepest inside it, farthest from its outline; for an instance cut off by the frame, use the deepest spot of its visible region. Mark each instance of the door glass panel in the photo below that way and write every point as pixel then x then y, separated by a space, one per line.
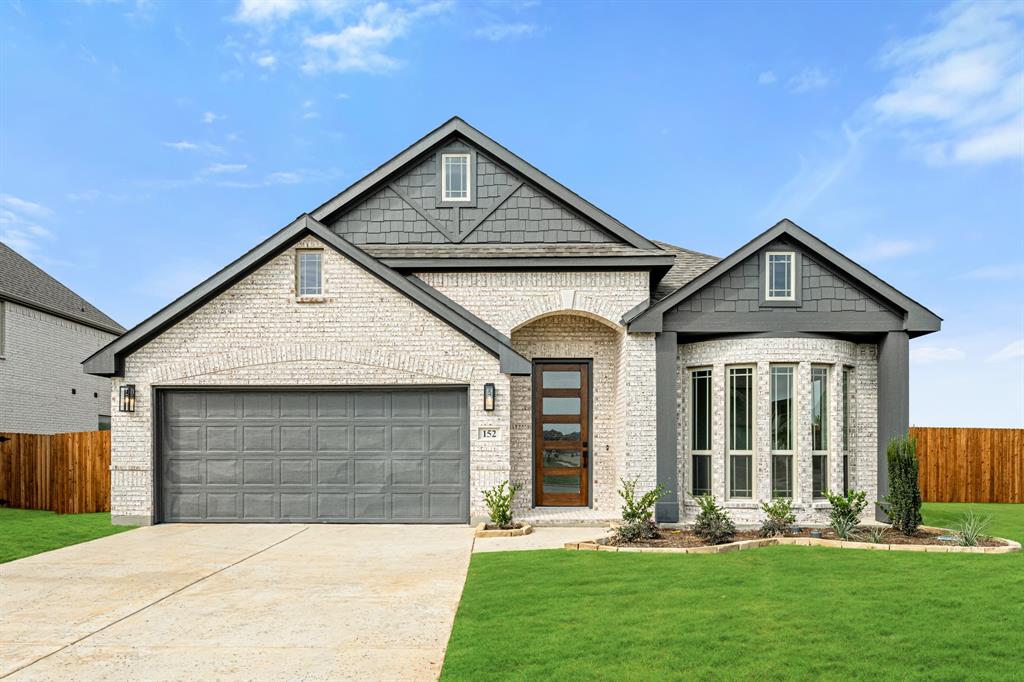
pixel 569 432
pixel 561 379
pixel 556 484
pixel 562 459
pixel 561 405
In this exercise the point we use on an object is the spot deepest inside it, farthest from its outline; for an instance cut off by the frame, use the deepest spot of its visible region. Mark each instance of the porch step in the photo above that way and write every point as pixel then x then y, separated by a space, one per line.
pixel 561 516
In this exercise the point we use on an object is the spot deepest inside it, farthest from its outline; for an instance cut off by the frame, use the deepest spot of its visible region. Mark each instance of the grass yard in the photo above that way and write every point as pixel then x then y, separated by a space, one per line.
pixel 24 532
pixel 774 613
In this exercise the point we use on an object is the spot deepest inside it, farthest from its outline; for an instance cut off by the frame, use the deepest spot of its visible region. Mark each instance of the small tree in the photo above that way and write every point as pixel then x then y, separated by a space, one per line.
pixel 846 510
pixel 779 517
pixel 637 523
pixel 903 503
pixel 713 522
pixel 499 503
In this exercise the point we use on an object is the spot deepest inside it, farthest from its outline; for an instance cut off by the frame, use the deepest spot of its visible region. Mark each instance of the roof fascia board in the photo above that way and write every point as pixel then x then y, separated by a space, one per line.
pixel 500 153
pixel 49 310
pixel 530 262
pixel 918 318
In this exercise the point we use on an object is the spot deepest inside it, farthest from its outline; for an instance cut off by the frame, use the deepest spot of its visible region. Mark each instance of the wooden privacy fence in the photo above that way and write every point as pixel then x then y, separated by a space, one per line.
pixel 970 465
pixel 68 473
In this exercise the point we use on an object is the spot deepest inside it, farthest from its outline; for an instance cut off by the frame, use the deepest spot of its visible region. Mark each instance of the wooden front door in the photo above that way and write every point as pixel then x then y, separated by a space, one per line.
pixel 561 434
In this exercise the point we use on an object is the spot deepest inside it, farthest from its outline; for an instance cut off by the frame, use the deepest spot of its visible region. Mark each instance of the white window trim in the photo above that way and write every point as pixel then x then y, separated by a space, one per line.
pixel 444 178
pixel 768 276
pixel 793 412
pixel 826 419
pixel 298 273
pixel 752 452
pixel 711 429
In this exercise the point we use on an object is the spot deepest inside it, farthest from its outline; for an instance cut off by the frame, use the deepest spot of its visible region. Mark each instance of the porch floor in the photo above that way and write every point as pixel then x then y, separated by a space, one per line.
pixel 568 516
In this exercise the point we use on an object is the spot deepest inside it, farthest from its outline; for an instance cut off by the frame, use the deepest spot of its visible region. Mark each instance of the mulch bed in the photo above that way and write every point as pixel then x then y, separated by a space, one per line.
pixel 671 537
pixel 514 526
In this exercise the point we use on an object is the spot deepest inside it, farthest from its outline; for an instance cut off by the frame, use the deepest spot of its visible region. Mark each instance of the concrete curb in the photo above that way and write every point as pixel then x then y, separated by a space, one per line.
pixel 482 532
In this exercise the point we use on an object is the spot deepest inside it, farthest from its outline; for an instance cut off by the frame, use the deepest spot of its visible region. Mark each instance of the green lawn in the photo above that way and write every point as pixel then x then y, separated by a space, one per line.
pixel 24 532
pixel 772 613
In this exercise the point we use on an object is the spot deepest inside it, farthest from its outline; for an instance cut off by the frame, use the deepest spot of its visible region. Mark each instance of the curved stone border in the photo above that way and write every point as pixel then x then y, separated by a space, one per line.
pixel 482 532
pixel 1010 546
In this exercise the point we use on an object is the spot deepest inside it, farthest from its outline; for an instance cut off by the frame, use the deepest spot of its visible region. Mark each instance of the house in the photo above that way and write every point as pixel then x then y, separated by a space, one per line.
pixel 457 318
pixel 45 331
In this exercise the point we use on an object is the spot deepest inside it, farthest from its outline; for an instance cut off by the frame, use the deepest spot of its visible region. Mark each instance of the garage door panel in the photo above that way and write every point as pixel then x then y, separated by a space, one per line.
pixel 331 456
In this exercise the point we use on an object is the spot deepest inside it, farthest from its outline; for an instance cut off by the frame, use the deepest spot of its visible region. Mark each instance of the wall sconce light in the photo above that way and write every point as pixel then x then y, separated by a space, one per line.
pixel 127 398
pixel 488 397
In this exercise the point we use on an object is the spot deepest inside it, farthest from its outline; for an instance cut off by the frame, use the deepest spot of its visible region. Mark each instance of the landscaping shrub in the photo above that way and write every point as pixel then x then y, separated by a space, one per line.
pixel 637 523
pixel 970 530
pixel 713 523
pixel 875 534
pixel 846 510
pixel 903 503
pixel 499 503
pixel 779 517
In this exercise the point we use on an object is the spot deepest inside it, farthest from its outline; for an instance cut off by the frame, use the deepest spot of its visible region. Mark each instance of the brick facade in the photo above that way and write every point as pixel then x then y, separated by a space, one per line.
pixel 803 353
pixel 40 364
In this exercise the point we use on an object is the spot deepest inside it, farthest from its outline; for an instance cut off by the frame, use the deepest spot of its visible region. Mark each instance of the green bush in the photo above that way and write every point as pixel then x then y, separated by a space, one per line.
pixel 637 523
pixel 846 510
pixel 499 503
pixel 903 503
pixel 875 534
pixel 779 517
pixel 713 523
pixel 970 530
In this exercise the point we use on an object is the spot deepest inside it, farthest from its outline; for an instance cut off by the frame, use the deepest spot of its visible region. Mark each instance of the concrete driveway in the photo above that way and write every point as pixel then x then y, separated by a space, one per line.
pixel 179 602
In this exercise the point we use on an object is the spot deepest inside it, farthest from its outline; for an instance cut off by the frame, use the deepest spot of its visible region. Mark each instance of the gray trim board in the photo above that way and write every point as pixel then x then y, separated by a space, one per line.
pixel 917 320
pixel 652 262
pixel 457 127
pixel 893 403
pixel 780 321
pixel 667 448
pixel 108 361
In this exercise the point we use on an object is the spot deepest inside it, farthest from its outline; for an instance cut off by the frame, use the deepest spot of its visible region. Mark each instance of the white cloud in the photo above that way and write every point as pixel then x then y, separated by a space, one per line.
pixel 182 146
pixel 222 168
pixel 1012 351
pixel 767 78
pixel 277 178
pixel 886 249
pixel 957 90
pixel 996 272
pixel 85 195
pixel 342 95
pixel 309 115
pixel 928 355
pixel 361 45
pixel 210 117
pixel 267 60
pixel 502 31
pixel 24 206
pixel 267 11
pixel 811 78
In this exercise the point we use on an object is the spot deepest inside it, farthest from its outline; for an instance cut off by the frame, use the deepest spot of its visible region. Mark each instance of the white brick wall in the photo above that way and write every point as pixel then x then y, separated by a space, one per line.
pixel 803 352
pixel 41 363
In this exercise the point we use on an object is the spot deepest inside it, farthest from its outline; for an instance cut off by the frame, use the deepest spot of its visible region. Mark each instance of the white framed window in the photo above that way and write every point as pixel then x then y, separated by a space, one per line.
pixel 740 420
pixel 780 276
pixel 700 431
pixel 309 272
pixel 783 400
pixel 455 177
pixel 847 387
pixel 819 431
pixel 2 320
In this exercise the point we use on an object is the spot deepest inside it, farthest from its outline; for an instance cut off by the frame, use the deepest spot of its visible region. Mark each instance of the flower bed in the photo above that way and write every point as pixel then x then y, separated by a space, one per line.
pixel 489 530
pixel 927 539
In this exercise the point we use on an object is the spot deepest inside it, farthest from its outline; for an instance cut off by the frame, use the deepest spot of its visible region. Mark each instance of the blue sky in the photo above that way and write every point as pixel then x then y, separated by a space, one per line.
pixel 144 145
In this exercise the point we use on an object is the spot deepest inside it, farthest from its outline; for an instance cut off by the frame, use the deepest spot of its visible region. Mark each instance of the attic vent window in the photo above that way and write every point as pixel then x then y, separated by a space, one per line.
pixel 455 177
pixel 781 269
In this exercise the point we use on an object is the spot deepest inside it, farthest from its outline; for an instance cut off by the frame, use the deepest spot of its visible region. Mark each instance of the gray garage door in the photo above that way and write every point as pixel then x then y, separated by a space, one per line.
pixel 362 456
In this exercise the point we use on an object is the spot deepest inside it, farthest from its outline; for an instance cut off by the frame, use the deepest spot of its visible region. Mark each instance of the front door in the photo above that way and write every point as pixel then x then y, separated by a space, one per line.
pixel 561 437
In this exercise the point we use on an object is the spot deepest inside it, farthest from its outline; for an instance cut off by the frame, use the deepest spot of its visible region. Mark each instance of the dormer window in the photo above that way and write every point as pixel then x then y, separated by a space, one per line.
pixel 455 177
pixel 309 272
pixel 780 267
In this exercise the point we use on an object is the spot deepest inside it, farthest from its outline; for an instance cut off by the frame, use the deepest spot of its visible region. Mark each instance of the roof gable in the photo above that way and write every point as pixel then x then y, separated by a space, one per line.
pixel 830 281
pixel 512 202
pixel 25 283
pixel 109 360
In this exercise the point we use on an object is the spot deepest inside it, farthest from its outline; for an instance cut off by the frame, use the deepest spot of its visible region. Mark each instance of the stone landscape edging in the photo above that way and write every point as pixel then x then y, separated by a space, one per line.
pixel 482 532
pixel 1009 547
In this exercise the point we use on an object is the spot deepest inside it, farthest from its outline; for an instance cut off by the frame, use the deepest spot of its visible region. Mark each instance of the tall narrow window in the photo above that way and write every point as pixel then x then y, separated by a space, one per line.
pixel 847 372
pixel 780 270
pixel 2 311
pixel 819 431
pixel 782 430
pixel 309 273
pixel 740 410
pixel 455 177
pixel 700 426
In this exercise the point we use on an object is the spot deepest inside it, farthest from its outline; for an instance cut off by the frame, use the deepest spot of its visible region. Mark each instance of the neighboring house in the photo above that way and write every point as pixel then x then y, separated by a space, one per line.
pixel 457 318
pixel 45 331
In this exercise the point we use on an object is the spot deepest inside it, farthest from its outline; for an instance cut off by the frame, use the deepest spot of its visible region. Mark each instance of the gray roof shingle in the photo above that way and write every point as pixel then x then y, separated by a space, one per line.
pixel 23 282
pixel 688 265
